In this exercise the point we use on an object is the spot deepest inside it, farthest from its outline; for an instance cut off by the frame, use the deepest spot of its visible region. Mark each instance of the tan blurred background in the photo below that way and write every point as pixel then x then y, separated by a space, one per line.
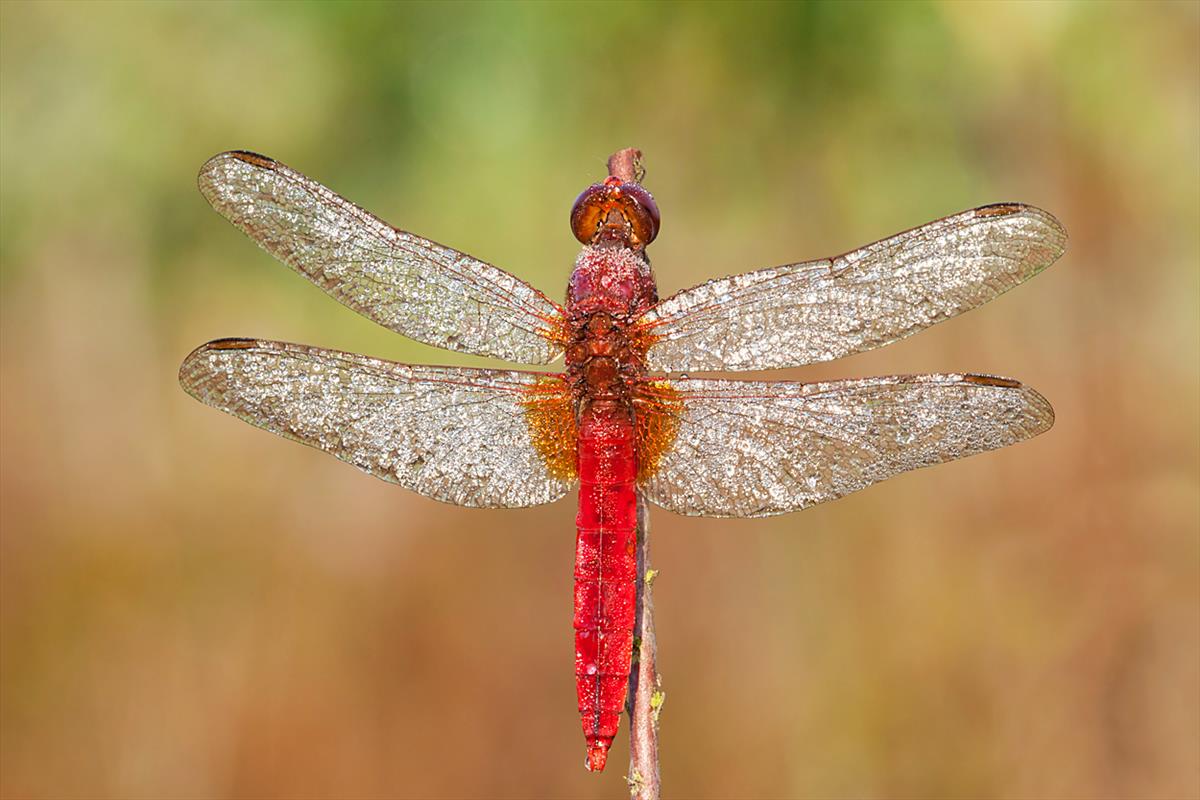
pixel 192 608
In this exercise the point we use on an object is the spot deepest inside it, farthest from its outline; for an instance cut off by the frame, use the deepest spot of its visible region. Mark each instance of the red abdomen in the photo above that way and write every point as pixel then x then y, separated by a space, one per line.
pixel 605 571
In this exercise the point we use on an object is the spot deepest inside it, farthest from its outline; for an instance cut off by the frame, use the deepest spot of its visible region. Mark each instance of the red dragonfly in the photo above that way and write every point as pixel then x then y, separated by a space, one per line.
pixel 612 420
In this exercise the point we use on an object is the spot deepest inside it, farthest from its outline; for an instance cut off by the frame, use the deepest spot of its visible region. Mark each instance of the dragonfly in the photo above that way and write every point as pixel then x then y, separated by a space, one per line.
pixel 623 418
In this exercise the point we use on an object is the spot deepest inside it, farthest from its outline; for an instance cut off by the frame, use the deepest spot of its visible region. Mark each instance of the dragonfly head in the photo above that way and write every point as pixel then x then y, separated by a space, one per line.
pixel 615 211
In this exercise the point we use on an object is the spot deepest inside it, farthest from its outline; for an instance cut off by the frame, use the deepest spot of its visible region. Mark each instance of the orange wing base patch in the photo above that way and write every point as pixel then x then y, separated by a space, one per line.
pixel 554 432
pixel 550 415
pixel 641 338
pixel 658 409
pixel 557 331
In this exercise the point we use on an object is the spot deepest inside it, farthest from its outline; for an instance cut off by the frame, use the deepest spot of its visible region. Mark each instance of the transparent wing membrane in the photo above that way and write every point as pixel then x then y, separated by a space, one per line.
pixel 458 435
pixel 751 449
pixel 416 287
pixel 497 438
pixel 821 310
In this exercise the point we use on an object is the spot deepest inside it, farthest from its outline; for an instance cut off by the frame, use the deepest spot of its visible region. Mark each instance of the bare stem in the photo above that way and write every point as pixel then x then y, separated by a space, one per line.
pixel 645 691
pixel 627 165
pixel 645 688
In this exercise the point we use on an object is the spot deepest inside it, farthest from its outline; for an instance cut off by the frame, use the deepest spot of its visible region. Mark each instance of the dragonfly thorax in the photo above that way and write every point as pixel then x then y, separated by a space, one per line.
pixel 611 278
pixel 602 359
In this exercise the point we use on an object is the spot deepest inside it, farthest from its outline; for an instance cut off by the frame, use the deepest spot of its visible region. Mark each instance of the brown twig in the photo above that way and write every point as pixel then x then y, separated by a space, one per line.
pixel 645 691
pixel 627 165
pixel 645 687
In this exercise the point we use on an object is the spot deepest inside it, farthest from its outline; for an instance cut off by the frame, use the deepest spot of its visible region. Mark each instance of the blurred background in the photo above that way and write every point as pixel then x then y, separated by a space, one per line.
pixel 192 608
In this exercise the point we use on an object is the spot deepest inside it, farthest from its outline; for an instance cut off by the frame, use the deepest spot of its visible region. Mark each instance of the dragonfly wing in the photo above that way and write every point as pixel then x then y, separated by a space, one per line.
pixel 411 285
pixel 821 310
pixel 752 449
pixel 463 436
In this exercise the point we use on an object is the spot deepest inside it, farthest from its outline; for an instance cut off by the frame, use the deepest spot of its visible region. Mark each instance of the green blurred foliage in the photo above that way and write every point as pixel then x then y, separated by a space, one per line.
pixel 191 608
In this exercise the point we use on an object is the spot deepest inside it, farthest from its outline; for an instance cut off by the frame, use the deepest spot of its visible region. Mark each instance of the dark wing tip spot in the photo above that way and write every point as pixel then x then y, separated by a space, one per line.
pixel 1052 243
pixel 1008 209
pixel 992 380
pixel 252 158
pixel 229 344
pixel 194 370
pixel 1000 209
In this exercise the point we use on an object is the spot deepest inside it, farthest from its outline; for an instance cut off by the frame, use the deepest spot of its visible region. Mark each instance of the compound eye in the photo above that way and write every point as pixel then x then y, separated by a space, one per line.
pixel 586 213
pixel 649 220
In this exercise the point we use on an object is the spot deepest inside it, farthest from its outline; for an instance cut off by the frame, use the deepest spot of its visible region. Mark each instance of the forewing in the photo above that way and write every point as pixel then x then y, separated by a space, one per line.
pixel 752 449
pixel 463 436
pixel 821 310
pixel 414 286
